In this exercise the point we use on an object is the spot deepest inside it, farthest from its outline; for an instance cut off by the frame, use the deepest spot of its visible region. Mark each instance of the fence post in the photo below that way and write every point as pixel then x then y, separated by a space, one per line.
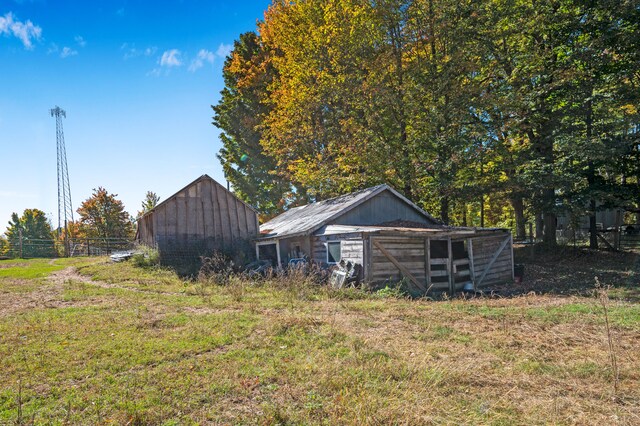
pixel 618 225
pixel 20 241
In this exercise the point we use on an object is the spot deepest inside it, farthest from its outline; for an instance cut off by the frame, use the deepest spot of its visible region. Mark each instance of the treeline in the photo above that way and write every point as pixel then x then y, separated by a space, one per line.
pixel 101 217
pixel 490 112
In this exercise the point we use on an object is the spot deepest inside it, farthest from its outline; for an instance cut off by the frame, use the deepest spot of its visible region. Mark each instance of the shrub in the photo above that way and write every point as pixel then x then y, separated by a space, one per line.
pixel 146 257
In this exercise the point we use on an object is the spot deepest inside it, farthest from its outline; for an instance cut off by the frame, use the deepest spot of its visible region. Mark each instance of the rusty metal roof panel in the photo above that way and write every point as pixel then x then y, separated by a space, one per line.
pixel 305 220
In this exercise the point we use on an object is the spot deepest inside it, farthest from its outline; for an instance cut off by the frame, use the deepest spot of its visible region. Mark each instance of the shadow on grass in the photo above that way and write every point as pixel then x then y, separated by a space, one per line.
pixel 572 271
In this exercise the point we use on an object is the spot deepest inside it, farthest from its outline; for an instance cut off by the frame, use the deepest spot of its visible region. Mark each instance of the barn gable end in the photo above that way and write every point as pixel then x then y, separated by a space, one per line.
pixel 201 217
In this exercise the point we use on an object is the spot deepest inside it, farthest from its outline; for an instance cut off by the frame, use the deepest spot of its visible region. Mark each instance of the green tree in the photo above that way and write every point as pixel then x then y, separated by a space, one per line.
pixel 36 233
pixel 103 216
pixel 4 245
pixel 149 203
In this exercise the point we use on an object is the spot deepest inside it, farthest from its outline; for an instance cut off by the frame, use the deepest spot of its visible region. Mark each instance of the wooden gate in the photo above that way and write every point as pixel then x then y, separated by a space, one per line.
pixel 440 264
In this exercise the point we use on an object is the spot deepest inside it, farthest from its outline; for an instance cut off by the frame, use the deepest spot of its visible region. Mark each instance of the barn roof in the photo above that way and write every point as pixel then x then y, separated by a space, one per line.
pixel 305 220
pixel 203 177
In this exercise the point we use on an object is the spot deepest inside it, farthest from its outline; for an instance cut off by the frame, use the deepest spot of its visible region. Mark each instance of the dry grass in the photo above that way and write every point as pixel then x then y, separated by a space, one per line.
pixel 121 348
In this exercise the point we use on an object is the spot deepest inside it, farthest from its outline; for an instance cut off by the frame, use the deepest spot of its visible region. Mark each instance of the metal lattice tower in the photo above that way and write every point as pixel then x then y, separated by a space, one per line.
pixel 65 211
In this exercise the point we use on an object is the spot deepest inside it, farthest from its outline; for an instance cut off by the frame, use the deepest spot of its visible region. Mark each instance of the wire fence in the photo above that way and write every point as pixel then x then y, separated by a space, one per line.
pixel 624 238
pixel 31 248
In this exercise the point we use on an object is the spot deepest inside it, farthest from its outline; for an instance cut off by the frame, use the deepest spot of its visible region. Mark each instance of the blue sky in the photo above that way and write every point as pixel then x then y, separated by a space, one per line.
pixel 136 80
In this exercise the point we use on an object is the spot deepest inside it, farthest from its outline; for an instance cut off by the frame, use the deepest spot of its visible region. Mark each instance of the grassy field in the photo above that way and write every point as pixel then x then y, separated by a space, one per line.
pixel 90 342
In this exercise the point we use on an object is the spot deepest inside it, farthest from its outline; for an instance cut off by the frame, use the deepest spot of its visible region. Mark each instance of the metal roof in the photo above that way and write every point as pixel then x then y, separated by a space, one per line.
pixel 305 220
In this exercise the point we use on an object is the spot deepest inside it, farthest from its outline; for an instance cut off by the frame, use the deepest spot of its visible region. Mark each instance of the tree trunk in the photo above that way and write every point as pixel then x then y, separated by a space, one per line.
pixel 550 222
pixel 444 209
pixel 539 227
pixel 591 179
pixel 518 208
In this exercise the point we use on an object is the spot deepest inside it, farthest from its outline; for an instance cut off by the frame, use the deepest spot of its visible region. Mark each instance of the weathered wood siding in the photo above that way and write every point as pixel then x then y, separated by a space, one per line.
pixel 484 249
pixel 411 253
pixel 319 250
pixel 352 251
pixel 384 207
pixel 408 251
pixel 204 215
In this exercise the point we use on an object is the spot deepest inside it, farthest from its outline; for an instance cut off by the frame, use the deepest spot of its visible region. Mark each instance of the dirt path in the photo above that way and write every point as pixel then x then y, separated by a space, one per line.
pixel 72 274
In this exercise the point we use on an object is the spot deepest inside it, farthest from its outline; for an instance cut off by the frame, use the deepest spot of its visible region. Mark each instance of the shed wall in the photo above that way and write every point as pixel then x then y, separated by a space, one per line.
pixel 384 207
pixel 483 250
pixel 203 216
pixel 412 254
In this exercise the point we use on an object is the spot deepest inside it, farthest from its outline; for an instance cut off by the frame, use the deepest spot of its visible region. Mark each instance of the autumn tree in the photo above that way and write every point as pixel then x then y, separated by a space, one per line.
pixel 252 172
pixel 103 216
pixel 489 112
pixel 33 231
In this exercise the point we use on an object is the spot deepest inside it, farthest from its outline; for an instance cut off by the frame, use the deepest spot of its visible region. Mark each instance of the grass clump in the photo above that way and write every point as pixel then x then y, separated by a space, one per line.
pixel 146 257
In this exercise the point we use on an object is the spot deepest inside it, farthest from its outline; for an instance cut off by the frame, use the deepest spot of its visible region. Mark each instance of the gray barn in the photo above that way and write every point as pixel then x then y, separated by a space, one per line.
pixel 202 216
pixel 391 238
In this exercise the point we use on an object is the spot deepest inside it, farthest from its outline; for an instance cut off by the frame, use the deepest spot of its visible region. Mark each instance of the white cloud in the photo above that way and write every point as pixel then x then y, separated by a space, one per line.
pixel 131 51
pixel 203 56
pixel 157 72
pixel 170 58
pixel 224 50
pixel 26 31
pixel 80 40
pixel 67 51
pixel 53 48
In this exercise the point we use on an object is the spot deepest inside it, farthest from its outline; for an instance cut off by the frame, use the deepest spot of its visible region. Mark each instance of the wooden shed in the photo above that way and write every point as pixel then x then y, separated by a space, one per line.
pixel 203 216
pixel 391 238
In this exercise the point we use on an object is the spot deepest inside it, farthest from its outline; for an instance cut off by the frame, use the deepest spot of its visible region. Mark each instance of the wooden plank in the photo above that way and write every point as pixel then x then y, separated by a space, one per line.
pixel 225 223
pixel 232 214
pixel 368 268
pixel 513 276
pixel 472 269
pixel 161 216
pixel 217 214
pixel 172 218
pixel 389 267
pixel 192 217
pixel 199 211
pixel 207 211
pixel 427 262
pixel 493 259
pixel 402 269
pixel 379 257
